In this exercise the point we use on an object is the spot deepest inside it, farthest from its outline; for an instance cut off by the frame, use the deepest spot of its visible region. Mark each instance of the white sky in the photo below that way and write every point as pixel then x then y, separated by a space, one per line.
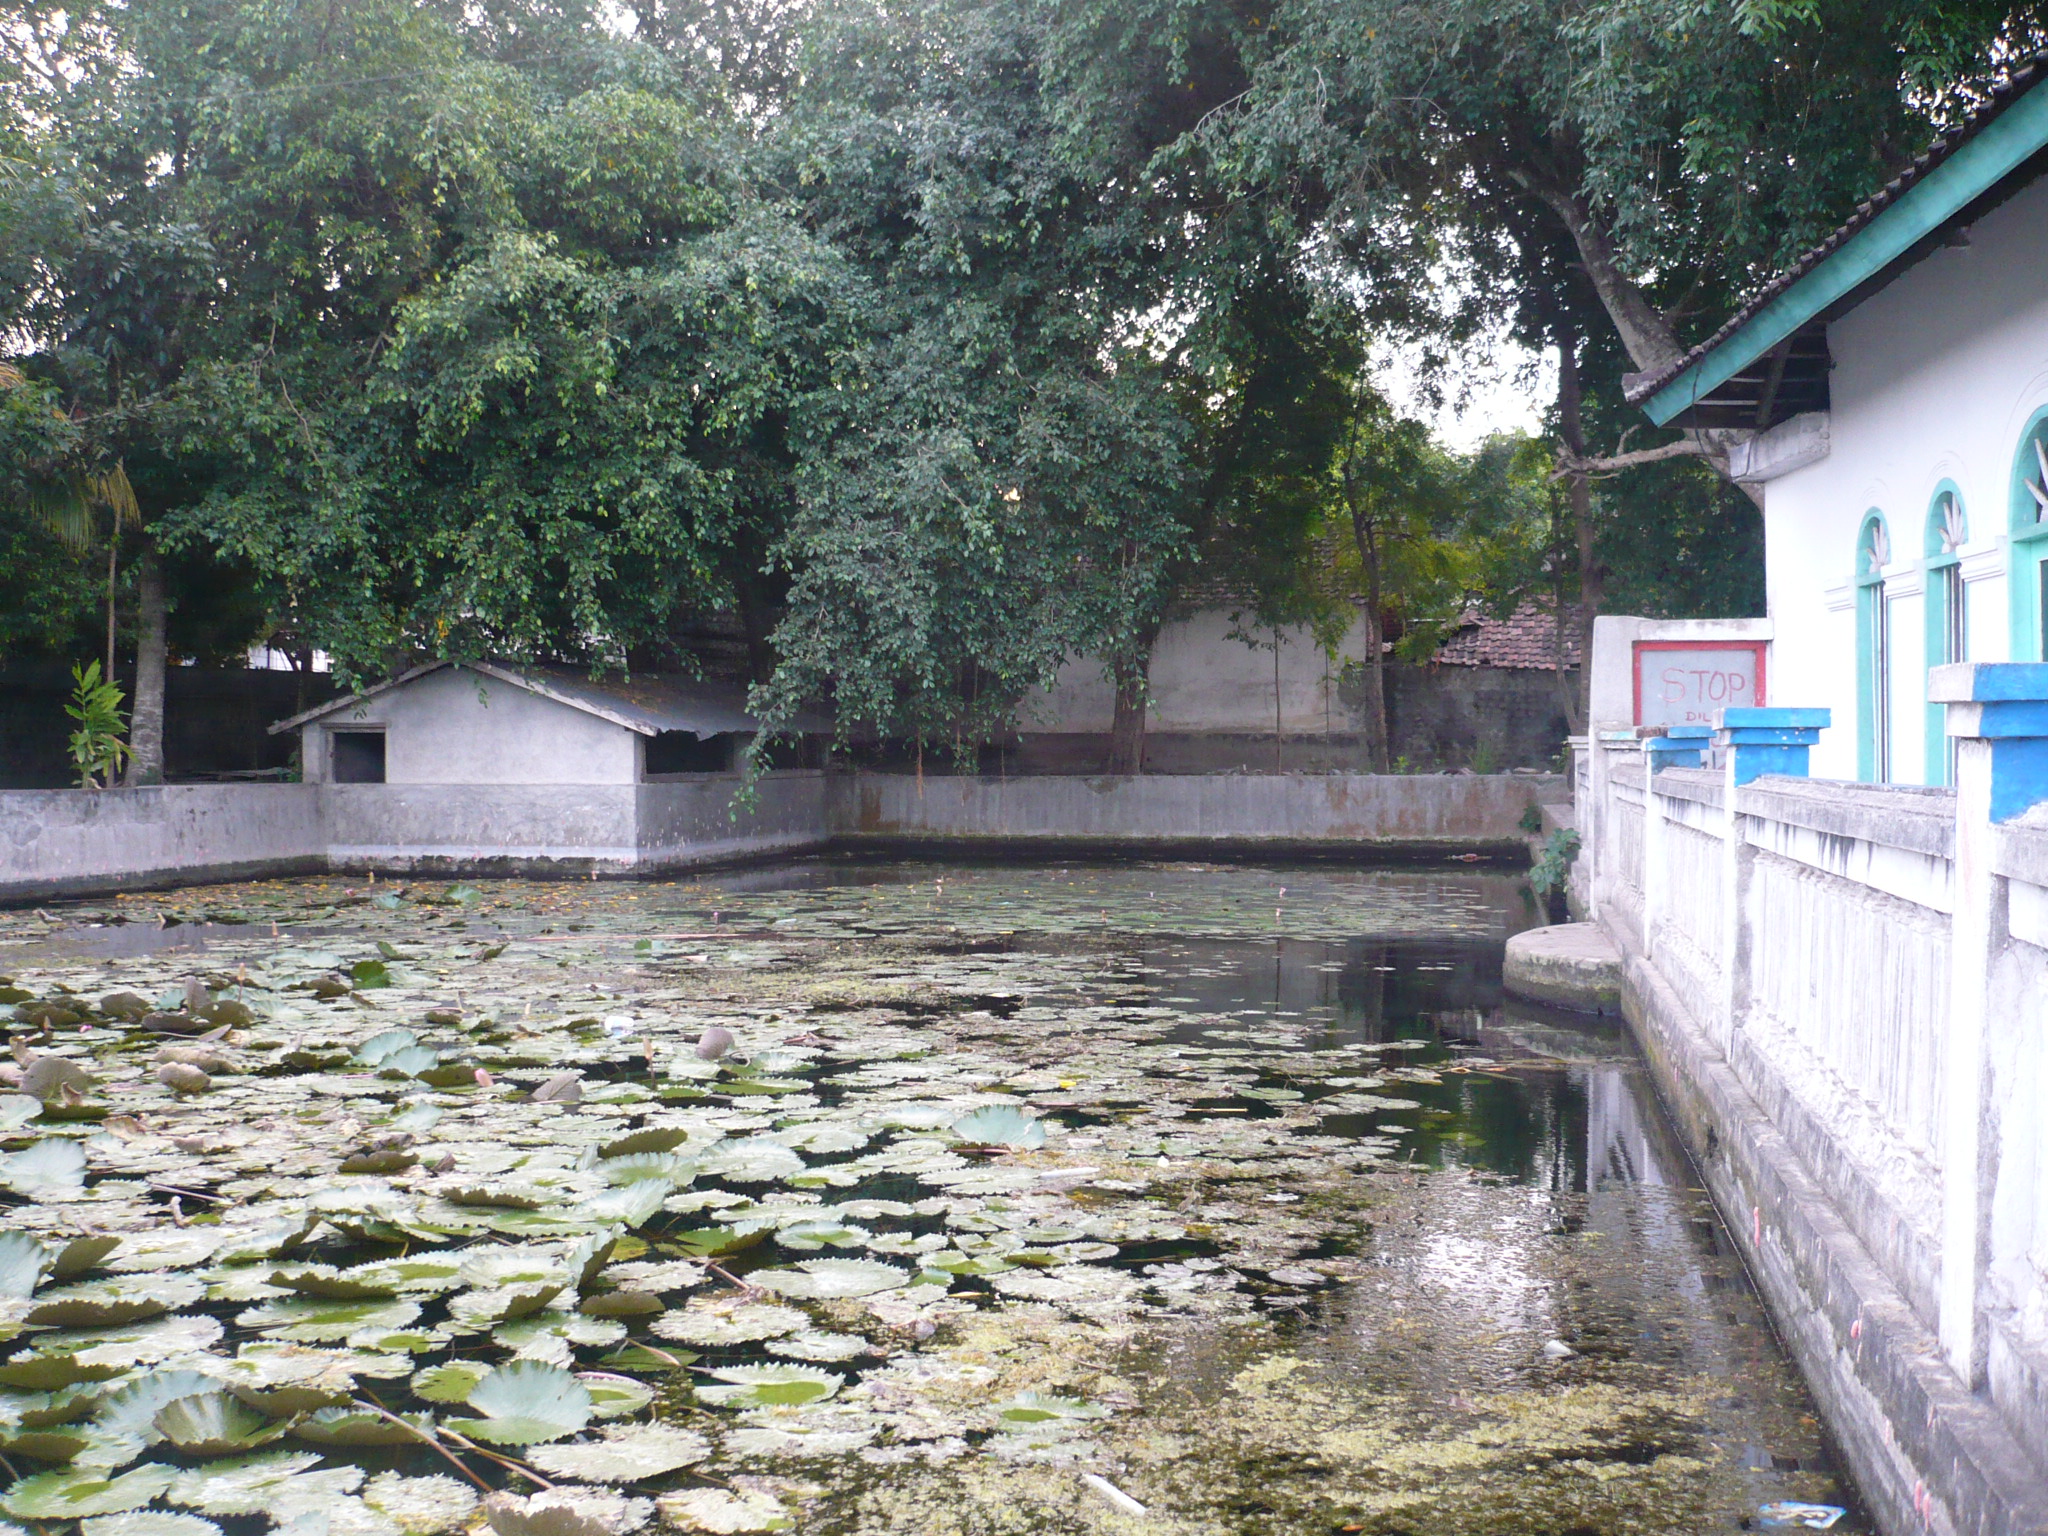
pixel 1497 386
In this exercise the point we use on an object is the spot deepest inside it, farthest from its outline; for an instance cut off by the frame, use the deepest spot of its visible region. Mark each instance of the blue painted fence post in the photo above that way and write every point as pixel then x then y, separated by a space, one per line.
pixel 1761 741
pixel 1998 715
pixel 1681 746
pixel 1757 741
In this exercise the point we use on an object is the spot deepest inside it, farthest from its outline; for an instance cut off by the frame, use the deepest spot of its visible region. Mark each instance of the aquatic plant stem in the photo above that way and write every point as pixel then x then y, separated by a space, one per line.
pixel 432 1440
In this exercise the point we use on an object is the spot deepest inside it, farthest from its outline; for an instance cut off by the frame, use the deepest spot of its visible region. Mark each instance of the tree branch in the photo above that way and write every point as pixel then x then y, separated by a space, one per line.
pixel 1687 447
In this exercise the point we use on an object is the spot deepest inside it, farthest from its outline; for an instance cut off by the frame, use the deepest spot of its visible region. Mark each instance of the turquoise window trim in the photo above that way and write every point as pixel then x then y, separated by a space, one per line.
pixel 2028 555
pixel 1939 562
pixel 1871 681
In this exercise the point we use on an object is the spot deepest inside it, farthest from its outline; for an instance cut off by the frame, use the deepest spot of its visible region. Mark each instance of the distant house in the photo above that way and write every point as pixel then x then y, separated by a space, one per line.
pixel 1893 390
pixel 486 723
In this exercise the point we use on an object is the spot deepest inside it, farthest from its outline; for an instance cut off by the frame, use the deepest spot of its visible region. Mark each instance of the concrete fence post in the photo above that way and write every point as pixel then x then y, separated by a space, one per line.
pixel 1679 747
pixel 1756 742
pixel 1998 716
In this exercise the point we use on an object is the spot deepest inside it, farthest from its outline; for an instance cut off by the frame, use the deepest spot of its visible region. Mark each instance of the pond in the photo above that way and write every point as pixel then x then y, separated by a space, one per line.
pixel 858 1198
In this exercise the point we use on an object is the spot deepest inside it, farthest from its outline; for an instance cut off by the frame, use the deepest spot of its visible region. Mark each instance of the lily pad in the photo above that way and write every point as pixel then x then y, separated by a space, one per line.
pixel 74 1493
pixel 132 1409
pixel 526 1403
pixel 820 1279
pixel 324 1321
pixel 567 1512
pixel 23 1263
pixel 625 1454
pixel 421 1506
pixel 255 1485
pixel 359 1426
pixel 150 1522
pixel 122 1299
pixel 50 1169
pixel 614 1397
pixel 1034 1412
pixel 1001 1125
pixel 213 1424
pixel 451 1383
pixel 716 1510
pixel 770 1386
pixel 714 1326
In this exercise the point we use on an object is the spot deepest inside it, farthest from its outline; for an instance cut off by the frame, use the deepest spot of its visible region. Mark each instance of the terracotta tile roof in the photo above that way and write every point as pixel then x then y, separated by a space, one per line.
pixel 2016 82
pixel 1526 639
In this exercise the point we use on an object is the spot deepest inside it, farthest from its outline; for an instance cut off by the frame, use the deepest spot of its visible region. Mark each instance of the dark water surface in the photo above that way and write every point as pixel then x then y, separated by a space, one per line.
pixel 1386 1253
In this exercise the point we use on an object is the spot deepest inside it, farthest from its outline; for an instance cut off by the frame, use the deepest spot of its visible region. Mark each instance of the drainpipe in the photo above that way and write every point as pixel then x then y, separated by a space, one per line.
pixel 1998 719
pixel 1756 742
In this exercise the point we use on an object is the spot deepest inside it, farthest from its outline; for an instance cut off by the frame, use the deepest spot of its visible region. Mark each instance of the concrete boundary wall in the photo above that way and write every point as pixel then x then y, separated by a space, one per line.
pixel 1792 972
pixel 1392 813
pixel 77 842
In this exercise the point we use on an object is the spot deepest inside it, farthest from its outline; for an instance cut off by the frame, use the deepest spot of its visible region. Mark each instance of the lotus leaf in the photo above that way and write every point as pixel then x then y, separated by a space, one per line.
pixel 634 1205
pixel 39 1372
pixel 359 1426
pixel 263 1484
pixel 820 1346
pixel 714 1509
pixel 1034 1411
pixel 494 1304
pixel 614 1397
pixel 750 1160
pixel 767 1386
pixel 149 1522
pixel 132 1409
pixel 411 1061
pixel 625 1454
pixel 282 1378
pixel 621 1304
pixel 103 1303
pixel 1001 1125
pixel 655 1139
pixel 421 1506
pixel 812 1235
pixel 716 1242
pixel 76 1492
pixel 714 1326
pixel 213 1424
pixel 525 1403
pixel 41 1409
pixel 23 1263
pixel 550 1334
pixel 324 1321
pixel 369 976
pixel 820 1279
pixel 416 1118
pixel 50 1169
pixel 665 1166
pixel 18 1109
pixel 566 1512
pixel 62 1443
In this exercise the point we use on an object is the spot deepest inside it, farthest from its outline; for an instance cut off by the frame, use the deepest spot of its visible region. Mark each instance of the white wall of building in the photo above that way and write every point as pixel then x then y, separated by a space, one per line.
pixel 1205 680
pixel 455 726
pixel 1935 379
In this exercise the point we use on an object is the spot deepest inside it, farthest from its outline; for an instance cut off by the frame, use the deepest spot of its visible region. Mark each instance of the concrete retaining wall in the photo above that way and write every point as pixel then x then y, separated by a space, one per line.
pixel 1331 812
pixel 73 842
pixel 57 842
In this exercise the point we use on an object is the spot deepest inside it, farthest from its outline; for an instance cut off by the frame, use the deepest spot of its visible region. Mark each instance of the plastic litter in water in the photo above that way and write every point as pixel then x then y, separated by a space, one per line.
pixel 1805 1517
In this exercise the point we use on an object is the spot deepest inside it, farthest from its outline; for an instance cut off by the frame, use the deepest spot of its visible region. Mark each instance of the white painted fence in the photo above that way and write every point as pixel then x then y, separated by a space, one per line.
pixel 1845 990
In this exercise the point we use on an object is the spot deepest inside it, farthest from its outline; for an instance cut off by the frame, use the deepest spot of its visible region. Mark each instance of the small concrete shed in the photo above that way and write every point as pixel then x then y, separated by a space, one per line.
pixel 481 766
pixel 485 723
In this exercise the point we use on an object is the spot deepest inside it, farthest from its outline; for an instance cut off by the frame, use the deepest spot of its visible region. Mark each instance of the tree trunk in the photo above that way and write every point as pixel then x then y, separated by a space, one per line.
pixel 1375 702
pixel 1579 494
pixel 146 724
pixel 1132 672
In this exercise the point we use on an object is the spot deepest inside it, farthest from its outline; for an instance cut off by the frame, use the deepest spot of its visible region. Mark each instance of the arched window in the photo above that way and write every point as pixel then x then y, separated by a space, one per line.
pixel 1948 616
pixel 2027 572
pixel 1873 653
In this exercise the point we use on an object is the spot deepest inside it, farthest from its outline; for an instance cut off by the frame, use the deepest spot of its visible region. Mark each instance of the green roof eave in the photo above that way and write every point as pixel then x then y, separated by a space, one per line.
pixel 2001 147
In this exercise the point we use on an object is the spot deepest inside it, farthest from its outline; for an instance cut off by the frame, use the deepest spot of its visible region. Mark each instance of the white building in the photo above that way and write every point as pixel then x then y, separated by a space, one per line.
pixel 483 723
pixel 1900 376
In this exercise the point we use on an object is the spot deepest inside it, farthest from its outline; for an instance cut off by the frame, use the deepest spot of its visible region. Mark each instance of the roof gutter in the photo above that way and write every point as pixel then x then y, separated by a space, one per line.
pixel 1994 152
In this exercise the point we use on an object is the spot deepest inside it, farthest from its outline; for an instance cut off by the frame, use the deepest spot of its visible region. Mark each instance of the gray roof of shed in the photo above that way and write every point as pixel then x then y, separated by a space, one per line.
pixel 647 704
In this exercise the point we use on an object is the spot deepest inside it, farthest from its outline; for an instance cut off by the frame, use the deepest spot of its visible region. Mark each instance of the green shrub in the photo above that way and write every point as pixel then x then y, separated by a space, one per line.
pixel 97 749
pixel 1554 865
